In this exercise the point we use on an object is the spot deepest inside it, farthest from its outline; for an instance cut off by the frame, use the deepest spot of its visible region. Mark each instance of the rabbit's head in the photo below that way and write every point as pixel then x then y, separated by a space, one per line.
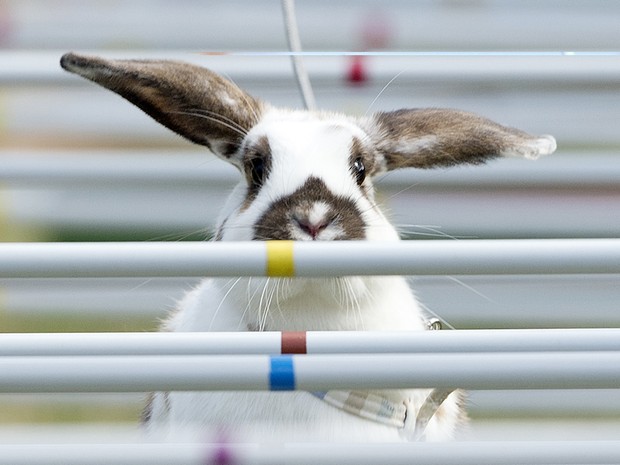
pixel 306 175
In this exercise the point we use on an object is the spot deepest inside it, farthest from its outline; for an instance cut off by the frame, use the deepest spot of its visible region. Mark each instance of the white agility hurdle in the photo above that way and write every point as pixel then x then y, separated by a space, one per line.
pixel 310 342
pixel 508 370
pixel 456 453
pixel 309 259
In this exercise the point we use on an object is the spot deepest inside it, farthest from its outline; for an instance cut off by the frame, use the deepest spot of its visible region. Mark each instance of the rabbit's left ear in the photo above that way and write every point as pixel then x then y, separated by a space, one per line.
pixel 428 138
pixel 194 102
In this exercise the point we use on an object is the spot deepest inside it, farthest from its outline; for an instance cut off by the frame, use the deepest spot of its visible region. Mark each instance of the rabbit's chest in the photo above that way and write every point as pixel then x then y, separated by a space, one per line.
pixel 342 304
pixel 240 305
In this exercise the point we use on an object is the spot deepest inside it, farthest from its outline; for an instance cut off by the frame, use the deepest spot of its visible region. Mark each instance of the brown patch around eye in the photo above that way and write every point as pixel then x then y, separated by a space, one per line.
pixel 256 166
pixel 359 150
pixel 362 164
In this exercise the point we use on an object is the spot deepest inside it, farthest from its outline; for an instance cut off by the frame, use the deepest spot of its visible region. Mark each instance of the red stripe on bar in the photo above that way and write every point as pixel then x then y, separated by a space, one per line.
pixel 293 342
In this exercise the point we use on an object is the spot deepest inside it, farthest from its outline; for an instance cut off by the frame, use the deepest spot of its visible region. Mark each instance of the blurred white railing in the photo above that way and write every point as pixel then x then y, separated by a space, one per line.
pixel 564 195
pixel 457 453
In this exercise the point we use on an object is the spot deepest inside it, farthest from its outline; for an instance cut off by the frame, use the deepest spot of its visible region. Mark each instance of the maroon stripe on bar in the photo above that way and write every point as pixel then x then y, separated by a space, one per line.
pixel 293 342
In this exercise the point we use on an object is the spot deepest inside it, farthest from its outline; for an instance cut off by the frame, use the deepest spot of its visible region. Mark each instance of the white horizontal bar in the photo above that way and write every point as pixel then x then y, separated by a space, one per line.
pixel 42 67
pixel 450 453
pixel 199 169
pixel 525 370
pixel 132 167
pixel 84 298
pixel 511 301
pixel 314 342
pixel 430 53
pixel 347 26
pixel 339 258
pixel 530 405
pixel 62 344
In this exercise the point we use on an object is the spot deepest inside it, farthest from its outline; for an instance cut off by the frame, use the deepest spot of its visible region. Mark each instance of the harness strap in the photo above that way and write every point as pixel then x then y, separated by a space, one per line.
pixel 379 409
pixel 367 405
pixel 382 410
pixel 428 410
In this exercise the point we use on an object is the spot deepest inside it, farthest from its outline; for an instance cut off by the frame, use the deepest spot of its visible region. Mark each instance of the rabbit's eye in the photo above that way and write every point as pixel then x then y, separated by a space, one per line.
pixel 359 170
pixel 256 171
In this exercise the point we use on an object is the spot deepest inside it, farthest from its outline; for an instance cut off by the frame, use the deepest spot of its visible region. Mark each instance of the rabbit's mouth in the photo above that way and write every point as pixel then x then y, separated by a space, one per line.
pixel 311 213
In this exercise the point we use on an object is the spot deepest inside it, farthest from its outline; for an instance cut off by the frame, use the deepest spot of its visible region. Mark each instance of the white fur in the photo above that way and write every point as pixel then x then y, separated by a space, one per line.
pixel 383 303
pixel 302 145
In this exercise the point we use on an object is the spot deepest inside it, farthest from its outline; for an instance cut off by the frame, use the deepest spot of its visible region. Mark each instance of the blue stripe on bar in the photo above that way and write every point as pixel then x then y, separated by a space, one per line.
pixel 282 373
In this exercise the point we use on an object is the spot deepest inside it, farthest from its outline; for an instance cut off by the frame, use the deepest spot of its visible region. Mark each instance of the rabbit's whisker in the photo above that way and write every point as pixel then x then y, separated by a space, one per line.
pixel 385 87
pixel 215 118
pixel 244 97
pixel 471 289
pixel 180 236
pixel 431 231
pixel 217 310
pixel 221 117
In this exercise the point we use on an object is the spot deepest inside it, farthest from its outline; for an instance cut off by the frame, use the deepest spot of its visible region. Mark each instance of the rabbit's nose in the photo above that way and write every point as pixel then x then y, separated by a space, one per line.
pixel 312 219
pixel 311 227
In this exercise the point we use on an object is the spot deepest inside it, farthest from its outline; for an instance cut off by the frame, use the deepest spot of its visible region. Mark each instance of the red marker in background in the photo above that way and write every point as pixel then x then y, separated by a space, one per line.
pixel 357 72
pixel 375 34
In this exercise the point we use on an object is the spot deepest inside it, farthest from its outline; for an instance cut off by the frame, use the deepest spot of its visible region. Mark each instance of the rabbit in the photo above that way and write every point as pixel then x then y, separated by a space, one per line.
pixel 305 176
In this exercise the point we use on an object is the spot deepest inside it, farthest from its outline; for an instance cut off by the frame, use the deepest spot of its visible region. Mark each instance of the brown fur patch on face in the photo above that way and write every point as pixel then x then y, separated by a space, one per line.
pixel 369 159
pixel 359 150
pixel 278 221
pixel 256 156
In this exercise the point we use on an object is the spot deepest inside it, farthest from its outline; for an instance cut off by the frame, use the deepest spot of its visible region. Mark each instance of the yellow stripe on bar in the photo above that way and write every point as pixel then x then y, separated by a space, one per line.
pixel 280 261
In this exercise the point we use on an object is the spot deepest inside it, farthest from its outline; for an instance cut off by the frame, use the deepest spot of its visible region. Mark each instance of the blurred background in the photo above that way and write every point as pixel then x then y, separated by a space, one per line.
pixel 78 163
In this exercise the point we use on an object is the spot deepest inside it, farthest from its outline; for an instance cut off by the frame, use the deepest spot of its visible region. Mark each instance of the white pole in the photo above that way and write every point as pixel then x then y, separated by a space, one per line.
pixel 104 454
pixel 41 67
pixel 109 344
pixel 136 168
pixel 450 453
pixel 308 259
pixel 311 342
pixel 547 370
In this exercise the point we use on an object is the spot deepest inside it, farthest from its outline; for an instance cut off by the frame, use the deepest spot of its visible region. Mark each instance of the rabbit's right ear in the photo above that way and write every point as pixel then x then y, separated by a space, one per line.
pixel 194 102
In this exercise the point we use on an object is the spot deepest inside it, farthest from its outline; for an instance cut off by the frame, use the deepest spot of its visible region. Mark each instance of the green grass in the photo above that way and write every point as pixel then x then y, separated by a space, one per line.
pixel 48 411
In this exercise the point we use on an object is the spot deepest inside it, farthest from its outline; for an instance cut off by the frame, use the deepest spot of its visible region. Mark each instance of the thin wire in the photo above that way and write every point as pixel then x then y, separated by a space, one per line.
pixel 294 44
pixel 448 53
